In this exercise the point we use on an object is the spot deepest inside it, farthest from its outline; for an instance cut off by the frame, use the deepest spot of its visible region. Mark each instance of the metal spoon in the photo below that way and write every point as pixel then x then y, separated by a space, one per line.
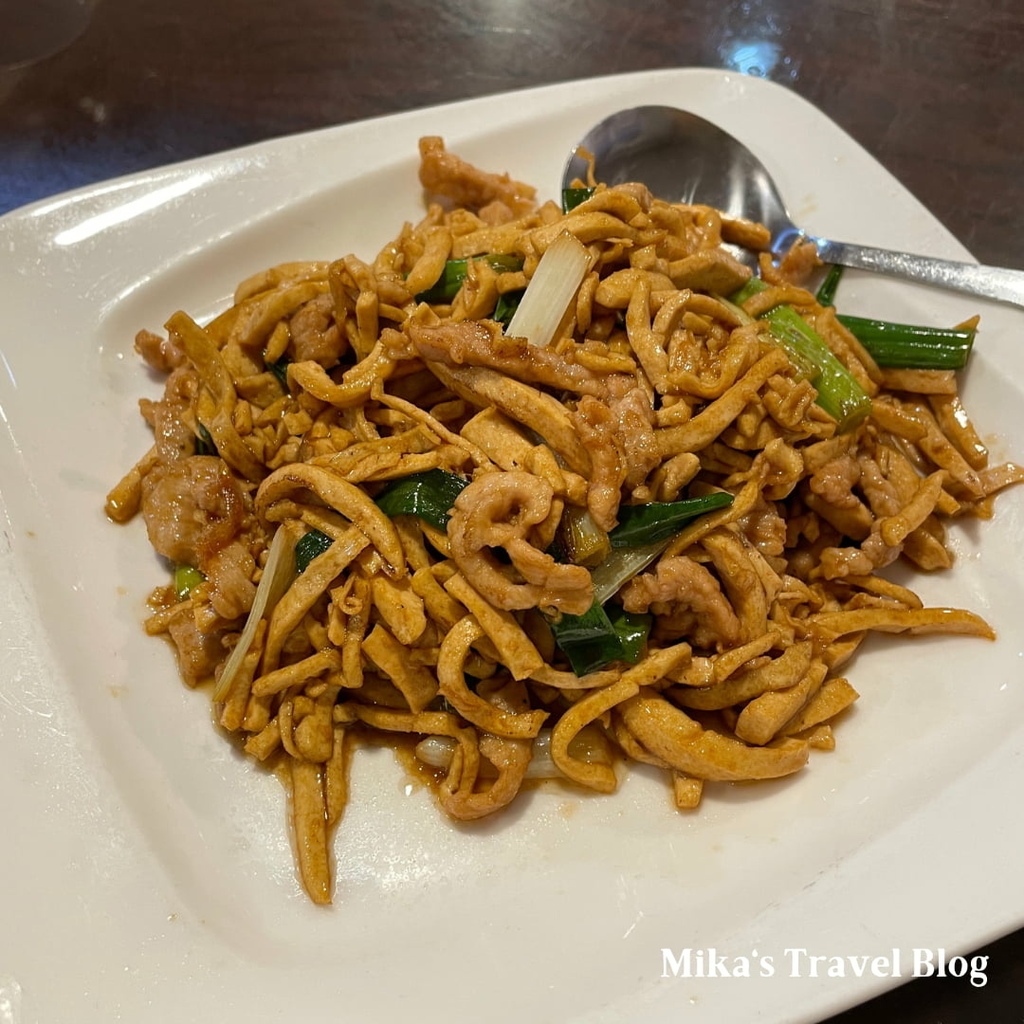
pixel 683 158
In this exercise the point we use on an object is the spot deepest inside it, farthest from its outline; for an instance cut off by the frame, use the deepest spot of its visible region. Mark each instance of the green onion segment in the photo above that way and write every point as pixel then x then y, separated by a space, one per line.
pixel 308 546
pixel 826 294
pixel 579 539
pixel 506 306
pixel 839 392
pixel 600 636
pixel 572 197
pixel 429 495
pixel 204 442
pixel 185 578
pixel 911 347
pixel 280 370
pixel 455 271
pixel 632 630
pixel 659 520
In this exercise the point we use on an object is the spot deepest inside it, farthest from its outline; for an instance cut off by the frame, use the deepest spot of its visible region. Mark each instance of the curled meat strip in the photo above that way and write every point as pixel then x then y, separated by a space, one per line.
pixel 315 334
pixel 596 428
pixel 687 593
pixel 162 353
pixel 195 514
pixel 445 174
pixel 173 438
pixel 192 508
pixel 499 510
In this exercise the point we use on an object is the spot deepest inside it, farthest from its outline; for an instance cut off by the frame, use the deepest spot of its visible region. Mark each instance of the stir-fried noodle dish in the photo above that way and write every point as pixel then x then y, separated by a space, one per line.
pixel 545 490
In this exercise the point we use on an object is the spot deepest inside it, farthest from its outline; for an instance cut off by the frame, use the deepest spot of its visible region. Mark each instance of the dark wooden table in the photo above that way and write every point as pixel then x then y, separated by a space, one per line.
pixel 933 88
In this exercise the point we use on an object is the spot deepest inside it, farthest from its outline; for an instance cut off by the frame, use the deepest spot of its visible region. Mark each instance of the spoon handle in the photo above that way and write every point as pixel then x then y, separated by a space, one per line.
pixel 991 282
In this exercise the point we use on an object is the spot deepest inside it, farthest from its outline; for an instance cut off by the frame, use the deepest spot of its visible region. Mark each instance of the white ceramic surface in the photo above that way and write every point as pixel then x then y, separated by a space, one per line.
pixel 146 869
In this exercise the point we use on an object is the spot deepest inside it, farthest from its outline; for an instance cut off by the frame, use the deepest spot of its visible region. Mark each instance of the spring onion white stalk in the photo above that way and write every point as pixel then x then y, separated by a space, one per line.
pixel 621 566
pixel 277 576
pixel 552 288
pixel 839 392
pixel 437 751
pixel 584 541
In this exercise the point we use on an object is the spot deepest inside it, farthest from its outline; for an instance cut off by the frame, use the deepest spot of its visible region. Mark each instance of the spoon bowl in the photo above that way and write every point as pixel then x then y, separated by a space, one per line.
pixel 684 158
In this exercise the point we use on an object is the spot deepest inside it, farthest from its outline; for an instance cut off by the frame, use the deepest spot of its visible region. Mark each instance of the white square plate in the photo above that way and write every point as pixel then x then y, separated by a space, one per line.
pixel 147 874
